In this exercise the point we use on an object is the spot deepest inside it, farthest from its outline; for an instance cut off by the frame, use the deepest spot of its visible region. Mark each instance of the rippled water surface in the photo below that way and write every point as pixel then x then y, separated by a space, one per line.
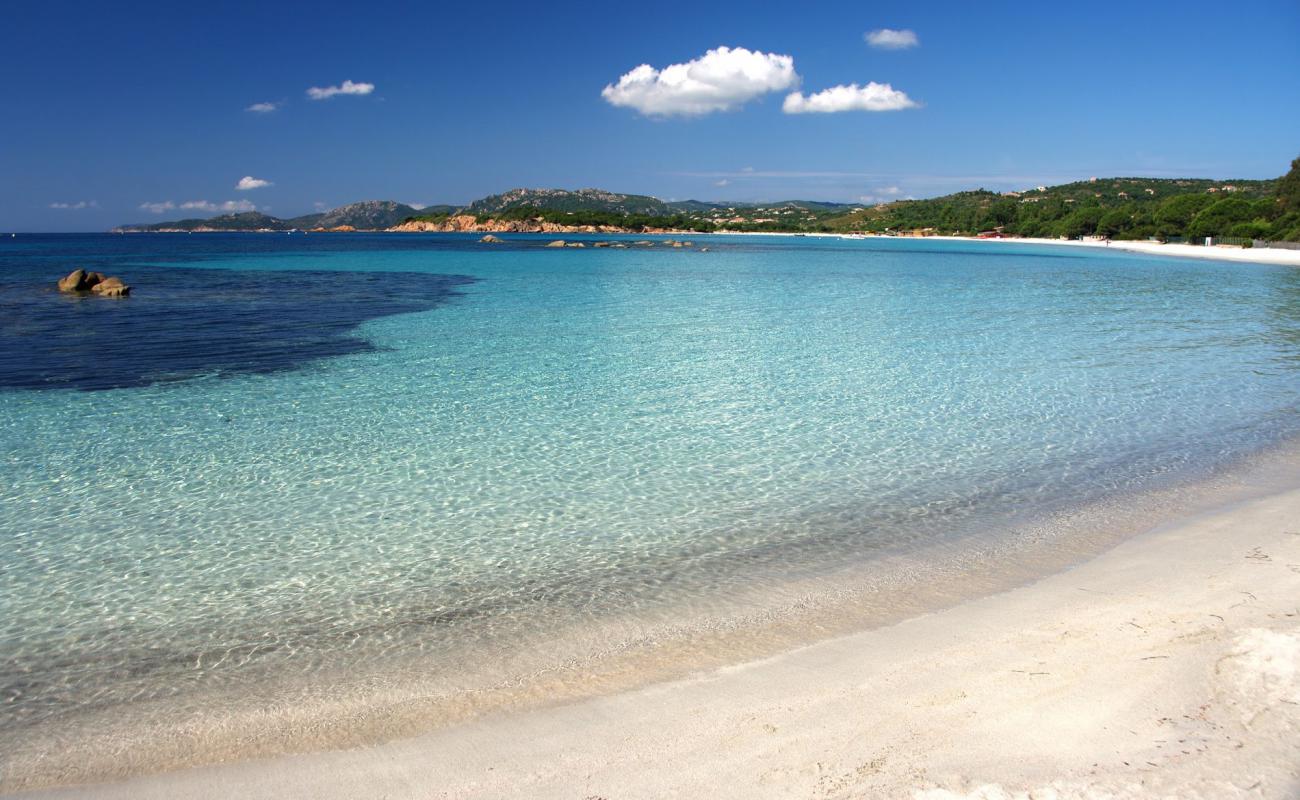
pixel 342 456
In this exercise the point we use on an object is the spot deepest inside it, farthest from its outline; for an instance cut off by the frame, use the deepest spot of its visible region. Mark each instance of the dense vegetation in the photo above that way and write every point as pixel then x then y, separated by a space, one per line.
pixel 1121 208
pixel 636 222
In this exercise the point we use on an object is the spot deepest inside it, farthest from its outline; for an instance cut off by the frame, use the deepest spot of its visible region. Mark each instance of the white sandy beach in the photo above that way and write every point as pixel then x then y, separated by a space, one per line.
pixel 1169 666
pixel 1256 255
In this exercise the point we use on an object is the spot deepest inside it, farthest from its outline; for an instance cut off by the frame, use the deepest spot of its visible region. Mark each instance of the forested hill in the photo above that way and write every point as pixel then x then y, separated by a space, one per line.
pixel 1115 207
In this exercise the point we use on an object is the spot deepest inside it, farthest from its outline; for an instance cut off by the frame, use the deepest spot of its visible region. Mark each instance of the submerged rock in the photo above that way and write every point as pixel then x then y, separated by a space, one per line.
pixel 575 244
pixel 557 243
pixel 602 244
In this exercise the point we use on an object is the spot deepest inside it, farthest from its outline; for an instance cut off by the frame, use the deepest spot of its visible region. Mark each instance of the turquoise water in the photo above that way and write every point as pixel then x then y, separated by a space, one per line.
pixel 507 448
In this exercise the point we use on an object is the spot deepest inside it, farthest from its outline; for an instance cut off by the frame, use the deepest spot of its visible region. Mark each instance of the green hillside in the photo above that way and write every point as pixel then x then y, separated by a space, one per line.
pixel 367 215
pixel 562 200
pixel 1133 208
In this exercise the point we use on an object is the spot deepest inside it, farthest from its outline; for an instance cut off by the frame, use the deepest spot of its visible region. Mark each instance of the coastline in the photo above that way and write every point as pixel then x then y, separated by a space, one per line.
pixel 1276 256
pixel 1166 665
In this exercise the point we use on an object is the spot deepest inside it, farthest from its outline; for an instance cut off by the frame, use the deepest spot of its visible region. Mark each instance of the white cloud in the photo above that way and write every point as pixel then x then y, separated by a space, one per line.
pixel 722 182
pixel 227 206
pixel 319 206
pixel 157 208
pixel 887 39
pixel 418 206
pixel 722 79
pixel 249 182
pixel 347 87
pixel 263 108
pixel 872 97
pixel 77 206
pixel 887 194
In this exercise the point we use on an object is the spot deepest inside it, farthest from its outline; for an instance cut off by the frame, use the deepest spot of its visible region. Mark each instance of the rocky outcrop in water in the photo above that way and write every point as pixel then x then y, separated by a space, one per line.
pixel 111 287
pixel 79 281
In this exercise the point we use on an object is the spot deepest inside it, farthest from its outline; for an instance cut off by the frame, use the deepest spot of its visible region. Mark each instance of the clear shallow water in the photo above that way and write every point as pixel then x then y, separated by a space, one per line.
pixel 470 465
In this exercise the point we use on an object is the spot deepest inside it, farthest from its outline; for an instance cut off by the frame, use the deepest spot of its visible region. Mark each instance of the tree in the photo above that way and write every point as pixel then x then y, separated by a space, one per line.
pixel 1177 212
pixel 1288 188
pixel 1080 222
pixel 1218 218
pixel 1113 222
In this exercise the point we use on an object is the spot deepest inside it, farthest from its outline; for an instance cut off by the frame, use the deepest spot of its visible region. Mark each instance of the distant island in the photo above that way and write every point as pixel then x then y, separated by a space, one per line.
pixel 1118 208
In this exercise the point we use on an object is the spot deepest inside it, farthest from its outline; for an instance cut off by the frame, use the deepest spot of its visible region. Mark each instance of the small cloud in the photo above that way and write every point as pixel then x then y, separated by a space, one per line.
pixel 77 206
pixel 418 206
pixel 872 97
pixel 157 208
pixel 262 108
pixel 723 182
pixel 212 208
pixel 347 87
pixel 319 206
pixel 722 79
pixel 886 195
pixel 888 39
pixel 747 169
pixel 249 182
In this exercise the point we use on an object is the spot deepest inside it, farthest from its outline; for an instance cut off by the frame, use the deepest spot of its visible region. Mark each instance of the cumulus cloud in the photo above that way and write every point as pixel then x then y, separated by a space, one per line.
pixel 888 39
pixel 872 97
pixel 249 182
pixel 227 206
pixel 722 182
pixel 157 208
pixel 77 206
pixel 722 79
pixel 347 87
pixel 262 108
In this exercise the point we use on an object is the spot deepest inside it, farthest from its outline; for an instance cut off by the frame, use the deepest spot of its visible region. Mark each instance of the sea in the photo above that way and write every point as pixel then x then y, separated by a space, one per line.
pixel 308 491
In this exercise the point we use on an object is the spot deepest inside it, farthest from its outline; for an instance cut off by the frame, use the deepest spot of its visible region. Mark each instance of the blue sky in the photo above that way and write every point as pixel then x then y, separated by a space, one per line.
pixel 113 111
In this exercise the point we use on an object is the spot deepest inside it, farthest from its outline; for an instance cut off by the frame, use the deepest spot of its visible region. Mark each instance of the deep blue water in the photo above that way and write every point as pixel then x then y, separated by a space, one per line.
pixel 182 323
pixel 310 455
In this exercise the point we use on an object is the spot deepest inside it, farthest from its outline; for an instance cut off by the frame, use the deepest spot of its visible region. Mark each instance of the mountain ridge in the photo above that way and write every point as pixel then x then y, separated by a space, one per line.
pixel 1113 207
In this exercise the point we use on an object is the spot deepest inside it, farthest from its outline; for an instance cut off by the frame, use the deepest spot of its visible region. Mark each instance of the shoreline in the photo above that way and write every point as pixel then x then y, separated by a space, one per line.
pixel 1122 656
pixel 1252 255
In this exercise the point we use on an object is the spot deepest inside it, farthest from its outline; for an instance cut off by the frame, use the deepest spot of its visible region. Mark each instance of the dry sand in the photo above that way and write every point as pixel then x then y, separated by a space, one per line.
pixel 1167 667
pixel 1255 255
